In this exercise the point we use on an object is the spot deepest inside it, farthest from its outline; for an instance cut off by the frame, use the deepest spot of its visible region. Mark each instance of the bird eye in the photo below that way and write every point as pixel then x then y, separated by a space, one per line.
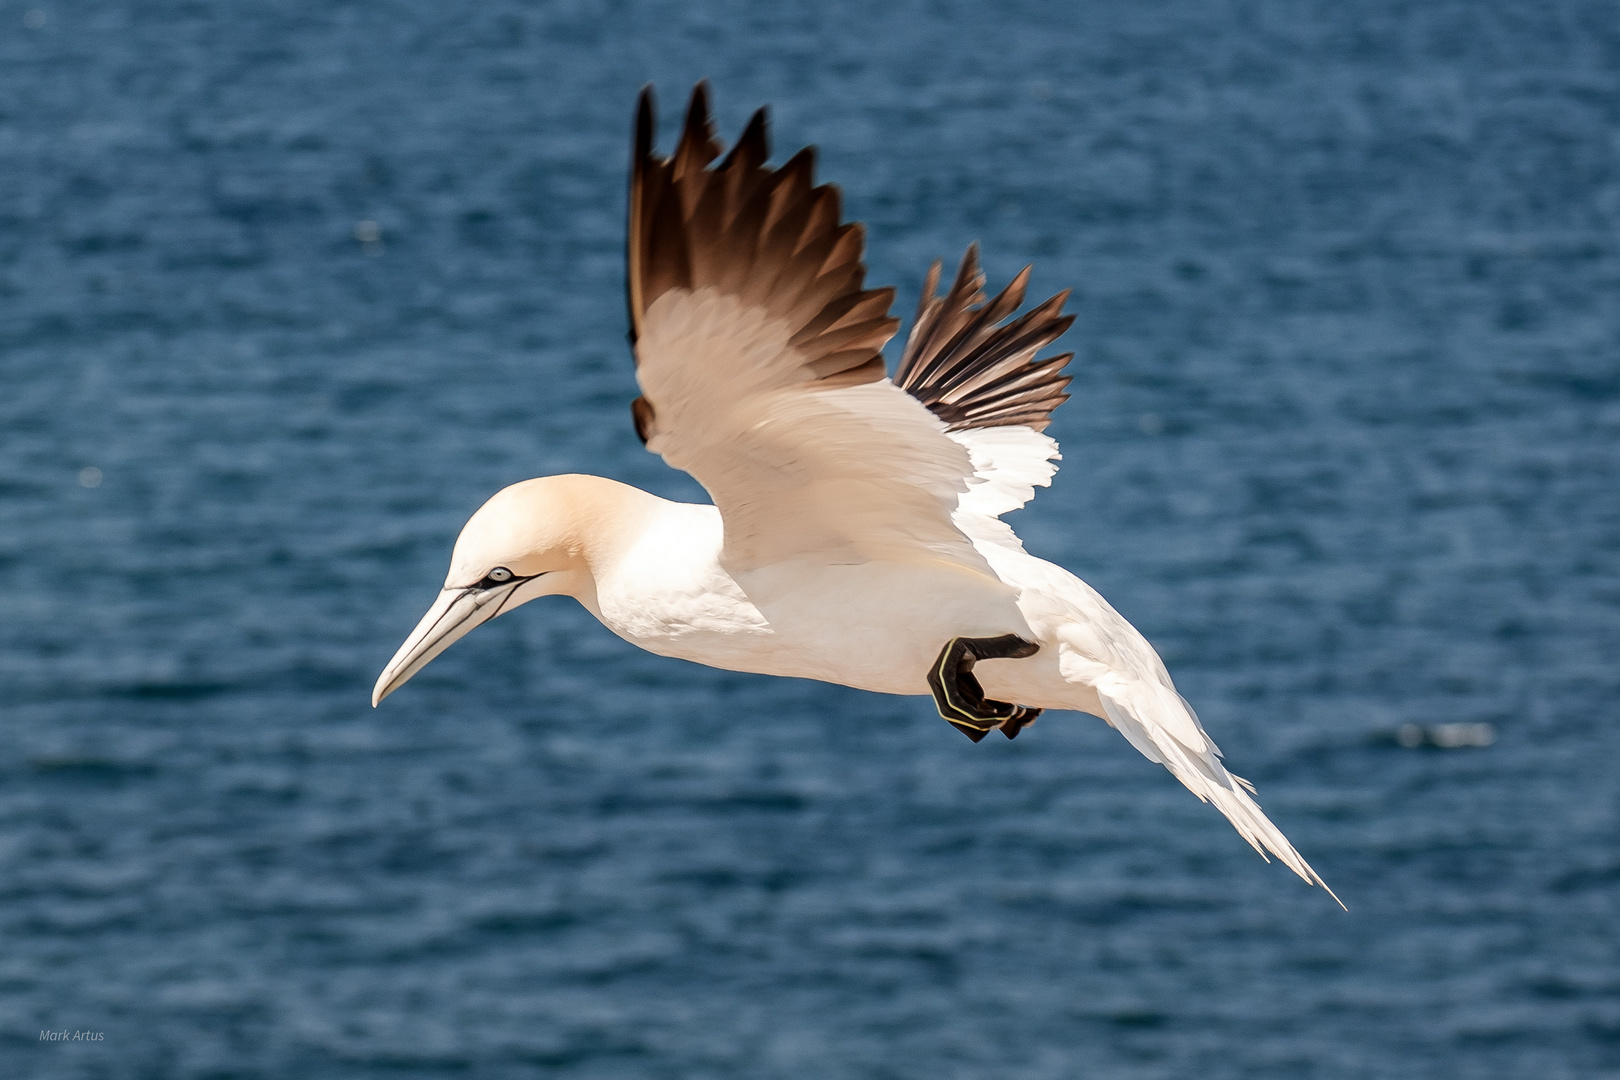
pixel 499 575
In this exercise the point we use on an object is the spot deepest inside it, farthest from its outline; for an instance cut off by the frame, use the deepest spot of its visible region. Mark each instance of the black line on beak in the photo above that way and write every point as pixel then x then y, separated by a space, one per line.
pixel 516 583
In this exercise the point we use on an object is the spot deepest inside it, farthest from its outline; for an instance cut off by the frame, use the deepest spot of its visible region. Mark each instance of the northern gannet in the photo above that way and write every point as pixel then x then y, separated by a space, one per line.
pixel 855 535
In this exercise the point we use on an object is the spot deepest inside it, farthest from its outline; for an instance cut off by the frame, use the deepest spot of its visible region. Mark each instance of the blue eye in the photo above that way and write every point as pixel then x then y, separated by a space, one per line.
pixel 499 575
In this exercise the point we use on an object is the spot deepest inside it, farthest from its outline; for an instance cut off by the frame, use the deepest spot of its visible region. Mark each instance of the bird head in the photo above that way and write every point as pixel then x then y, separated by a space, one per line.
pixel 528 541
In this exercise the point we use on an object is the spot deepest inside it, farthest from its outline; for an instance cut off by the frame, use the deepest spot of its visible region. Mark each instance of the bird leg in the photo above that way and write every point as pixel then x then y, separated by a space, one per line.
pixel 958 695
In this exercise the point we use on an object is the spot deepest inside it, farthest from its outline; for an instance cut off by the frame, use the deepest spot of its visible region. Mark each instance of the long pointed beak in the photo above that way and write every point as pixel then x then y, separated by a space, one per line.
pixel 453 615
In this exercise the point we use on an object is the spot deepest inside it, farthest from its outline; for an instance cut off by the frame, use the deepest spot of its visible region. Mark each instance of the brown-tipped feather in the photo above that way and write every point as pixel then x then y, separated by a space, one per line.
pixel 770 237
pixel 971 367
pixel 753 145
pixel 699 144
pixel 641 415
pixel 640 151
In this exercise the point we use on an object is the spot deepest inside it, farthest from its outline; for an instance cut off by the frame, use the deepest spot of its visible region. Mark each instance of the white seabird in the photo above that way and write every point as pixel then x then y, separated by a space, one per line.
pixel 855 535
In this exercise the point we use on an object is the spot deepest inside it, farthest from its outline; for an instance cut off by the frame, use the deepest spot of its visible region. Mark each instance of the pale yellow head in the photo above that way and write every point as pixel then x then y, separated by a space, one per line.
pixel 541 537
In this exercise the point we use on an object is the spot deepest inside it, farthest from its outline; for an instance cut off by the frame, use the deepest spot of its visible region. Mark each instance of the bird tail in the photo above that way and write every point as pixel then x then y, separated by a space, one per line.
pixel 1164 728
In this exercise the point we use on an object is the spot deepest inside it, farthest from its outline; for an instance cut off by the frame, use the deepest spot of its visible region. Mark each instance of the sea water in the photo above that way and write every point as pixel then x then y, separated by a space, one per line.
pixel 288 289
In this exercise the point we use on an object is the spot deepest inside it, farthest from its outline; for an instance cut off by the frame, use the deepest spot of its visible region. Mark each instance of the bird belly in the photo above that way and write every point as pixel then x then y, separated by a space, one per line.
pixel 876 626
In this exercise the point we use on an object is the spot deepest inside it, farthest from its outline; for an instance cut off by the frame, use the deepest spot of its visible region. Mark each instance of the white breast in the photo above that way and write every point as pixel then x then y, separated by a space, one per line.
pixel 668 594
pixel 876 626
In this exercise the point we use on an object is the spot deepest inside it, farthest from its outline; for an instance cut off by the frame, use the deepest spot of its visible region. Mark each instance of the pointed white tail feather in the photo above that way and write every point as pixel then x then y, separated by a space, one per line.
pixel 1141 713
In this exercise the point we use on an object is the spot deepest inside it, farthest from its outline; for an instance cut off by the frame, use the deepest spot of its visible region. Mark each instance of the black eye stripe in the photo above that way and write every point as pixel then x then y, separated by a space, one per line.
pixel 498 576
pixel 502 576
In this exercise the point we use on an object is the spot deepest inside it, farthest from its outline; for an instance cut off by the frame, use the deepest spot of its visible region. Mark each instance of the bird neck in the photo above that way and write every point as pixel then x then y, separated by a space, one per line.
pixel 605 519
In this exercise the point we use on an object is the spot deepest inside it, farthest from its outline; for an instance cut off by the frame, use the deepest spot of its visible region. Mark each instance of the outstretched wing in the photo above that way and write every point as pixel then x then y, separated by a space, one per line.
pixel 977 371
pixel 758 352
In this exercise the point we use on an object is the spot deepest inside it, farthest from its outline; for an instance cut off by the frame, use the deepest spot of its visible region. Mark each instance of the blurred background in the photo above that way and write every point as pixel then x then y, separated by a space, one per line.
pixel 288 289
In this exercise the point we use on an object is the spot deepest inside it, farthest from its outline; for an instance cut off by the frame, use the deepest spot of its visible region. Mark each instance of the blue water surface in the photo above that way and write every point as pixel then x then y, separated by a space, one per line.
pixel 1343 444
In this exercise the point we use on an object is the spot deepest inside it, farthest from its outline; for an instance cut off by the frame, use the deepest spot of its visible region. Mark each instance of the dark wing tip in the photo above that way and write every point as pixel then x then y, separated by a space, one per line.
pixel 754 145
pixel 699 119
pixel 770 237
pixel 969 270
pixel 972 364
pixel 799 170
pixel 699 143
pixel 646 123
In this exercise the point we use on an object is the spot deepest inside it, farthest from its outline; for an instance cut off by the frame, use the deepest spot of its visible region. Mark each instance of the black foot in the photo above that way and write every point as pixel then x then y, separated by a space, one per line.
pixel 958 695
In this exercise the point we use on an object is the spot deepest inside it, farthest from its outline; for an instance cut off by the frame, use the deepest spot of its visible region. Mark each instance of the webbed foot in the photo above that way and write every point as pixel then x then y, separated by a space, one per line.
pixel 958 695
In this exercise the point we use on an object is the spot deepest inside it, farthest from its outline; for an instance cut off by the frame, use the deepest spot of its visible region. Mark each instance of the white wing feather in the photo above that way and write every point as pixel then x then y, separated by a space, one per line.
pixel 1009 463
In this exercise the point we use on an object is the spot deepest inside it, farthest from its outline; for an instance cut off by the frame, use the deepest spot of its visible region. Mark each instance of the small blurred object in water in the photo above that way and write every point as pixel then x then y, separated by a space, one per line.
pixel 369 233
pixel 1445 736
